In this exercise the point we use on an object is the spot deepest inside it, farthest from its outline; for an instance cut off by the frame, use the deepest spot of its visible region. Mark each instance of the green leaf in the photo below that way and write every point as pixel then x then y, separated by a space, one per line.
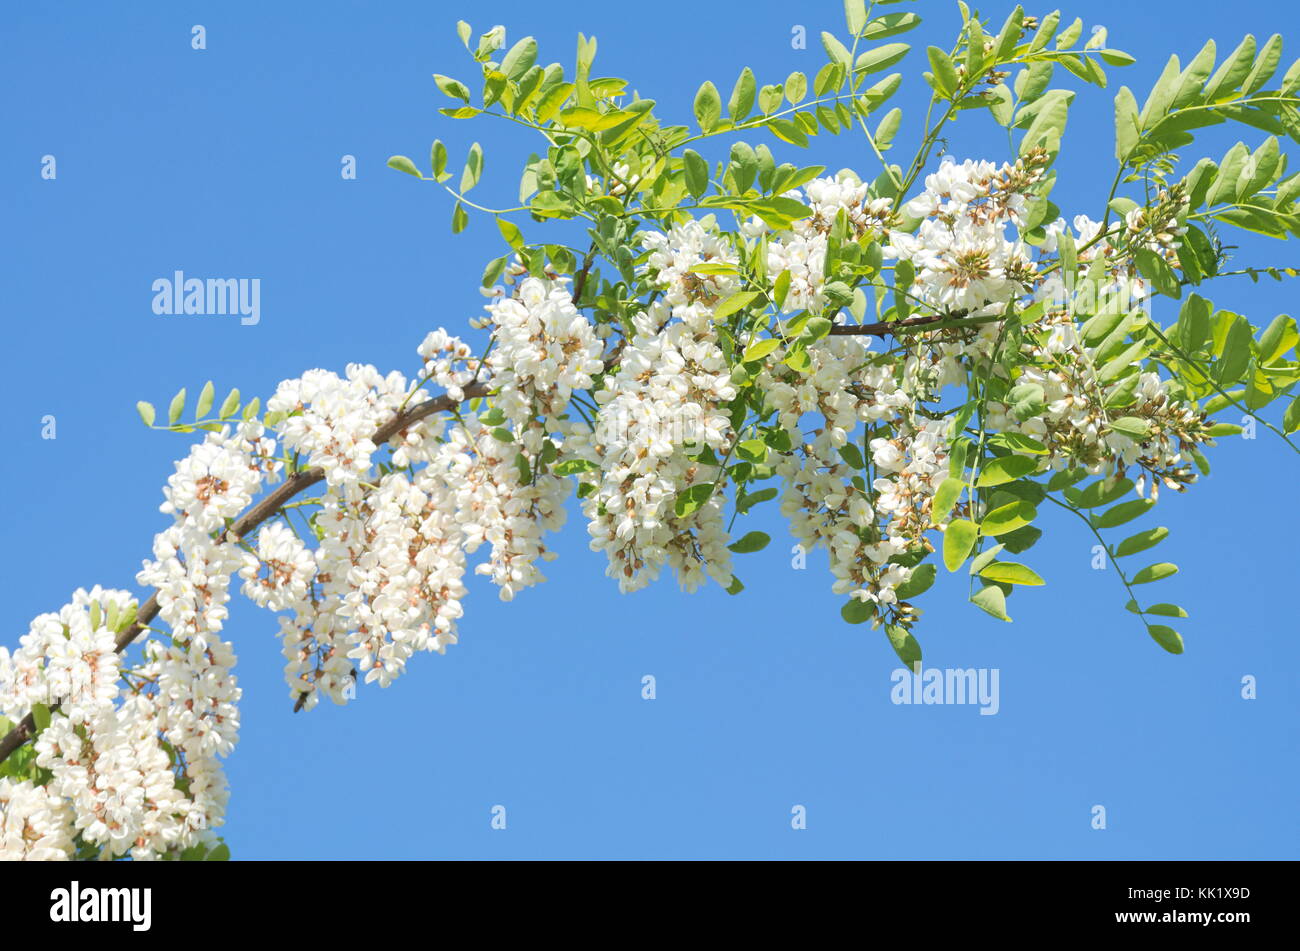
pixel 473 168
pixel 552 100
pixel 1161 610
pixel 746 502
pixel 525 470
pixel 742 96
pixel 404 164
pixel 1127 131
pixel 856 612
pixel 891 24
pixel 708 107
pixel 520 59
pixel 1066 478
pixel 1005 469
pixel 206 396
pixel 40 716
pixel 759 349
pixel 1258 169
pixel 713 267
pixel 1279 337
pixel 1162 94
pixel 1141 541
pixel 1264 66
pixel 1022 539
pixel 881 57
pixel 1002 105
pixel 1101 492
pixel 779 212
pixel 1008 518
pixel 1154 573
pixel 690 499
pixel 220 854
pixel 888 128
pixel 697 172
pixel 438 161
pixel 1124 512
pixel 146 412
pixel 459 218
pixel 1166 637
pixel 788 131
pixel 905 645
pixel 852 456
pixel 796 87
pixel 1027 401
pixel 778 439
pixel 945 497
pixel 879 93
pixel 752 450
pixel 1193 327
pixel 1225 429
pixel 510 231
pixel 751 541
pixel 1018 442
pixel 1291 418
pixel 985 558
pixel 1048 122
pixel 229 406
pixel 828 77
pixel 958 539
pixel 574 466
pixel 922 578
pixel 835 50
pixel 1231 71
pixel 855 15
pixel 735 303
pixel 450 87
pixel 1131 426
pixel 1010 572
pixel 176 408
pixel 993 601
pixel 1156 269
pixel 1235 357
pixel 945 74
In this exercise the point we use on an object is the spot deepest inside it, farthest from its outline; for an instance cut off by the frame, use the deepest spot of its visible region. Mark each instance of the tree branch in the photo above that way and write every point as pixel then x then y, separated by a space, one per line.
pixel 271 504
pixel 931 322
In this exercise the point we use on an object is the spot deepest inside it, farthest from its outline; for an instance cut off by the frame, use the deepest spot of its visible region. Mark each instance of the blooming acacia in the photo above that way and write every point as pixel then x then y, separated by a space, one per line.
pixel 708 350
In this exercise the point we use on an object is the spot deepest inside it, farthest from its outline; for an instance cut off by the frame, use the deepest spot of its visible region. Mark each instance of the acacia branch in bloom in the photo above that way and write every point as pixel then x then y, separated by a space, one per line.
pixel 249 521
pixel 707 364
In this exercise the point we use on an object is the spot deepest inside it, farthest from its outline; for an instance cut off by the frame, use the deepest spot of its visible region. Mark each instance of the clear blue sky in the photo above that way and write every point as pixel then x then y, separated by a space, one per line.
pixel 225 163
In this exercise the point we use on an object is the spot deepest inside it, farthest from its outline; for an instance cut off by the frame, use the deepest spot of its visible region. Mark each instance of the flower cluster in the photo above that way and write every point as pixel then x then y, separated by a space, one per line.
pixel 35 823
pixel 659 414
pixel 961 254
pixel 802 250
pixel 126 774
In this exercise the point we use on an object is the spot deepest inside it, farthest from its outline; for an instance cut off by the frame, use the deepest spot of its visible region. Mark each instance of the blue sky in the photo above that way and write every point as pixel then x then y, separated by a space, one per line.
pixel 226 163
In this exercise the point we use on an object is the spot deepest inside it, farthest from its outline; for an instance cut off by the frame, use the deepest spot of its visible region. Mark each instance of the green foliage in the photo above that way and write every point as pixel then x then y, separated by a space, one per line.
pixel 648 172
